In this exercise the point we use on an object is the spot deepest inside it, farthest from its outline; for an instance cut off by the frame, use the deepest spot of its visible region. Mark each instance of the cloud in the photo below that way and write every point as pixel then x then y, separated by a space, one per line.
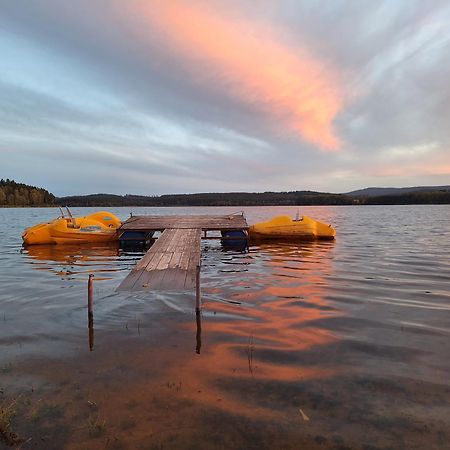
pixel 290 85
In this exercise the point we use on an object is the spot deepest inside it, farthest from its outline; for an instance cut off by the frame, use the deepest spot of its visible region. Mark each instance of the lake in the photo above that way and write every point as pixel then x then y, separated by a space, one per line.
pixel 327 345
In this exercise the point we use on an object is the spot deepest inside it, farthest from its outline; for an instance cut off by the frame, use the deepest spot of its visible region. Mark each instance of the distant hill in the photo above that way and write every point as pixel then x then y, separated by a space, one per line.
pixel 377 191
pixel 19 194
pixel 369 196
pixel 210 199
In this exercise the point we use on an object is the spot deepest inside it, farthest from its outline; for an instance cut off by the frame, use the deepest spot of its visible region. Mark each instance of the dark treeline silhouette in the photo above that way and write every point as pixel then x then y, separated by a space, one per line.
pixel 19 194
pixel 294 198
pixel 210 199
pixel 411 198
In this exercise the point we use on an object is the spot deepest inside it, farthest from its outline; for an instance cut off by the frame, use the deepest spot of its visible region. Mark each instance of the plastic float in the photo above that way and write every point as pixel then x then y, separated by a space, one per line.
pixel 97 227
pixel 283 227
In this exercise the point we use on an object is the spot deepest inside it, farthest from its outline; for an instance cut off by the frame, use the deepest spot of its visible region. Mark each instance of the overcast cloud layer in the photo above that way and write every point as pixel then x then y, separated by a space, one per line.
pixel 172 96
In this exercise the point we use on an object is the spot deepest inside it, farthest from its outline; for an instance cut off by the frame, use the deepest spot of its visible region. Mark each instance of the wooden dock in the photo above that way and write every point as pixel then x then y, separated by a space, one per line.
pixel 205 223
pixel 172 261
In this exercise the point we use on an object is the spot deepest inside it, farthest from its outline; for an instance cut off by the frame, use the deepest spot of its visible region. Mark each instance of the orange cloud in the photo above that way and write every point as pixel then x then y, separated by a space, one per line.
pixel 289 85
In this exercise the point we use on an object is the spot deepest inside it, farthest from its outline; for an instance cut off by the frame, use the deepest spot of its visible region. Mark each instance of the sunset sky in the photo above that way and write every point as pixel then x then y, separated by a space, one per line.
pixel 175 96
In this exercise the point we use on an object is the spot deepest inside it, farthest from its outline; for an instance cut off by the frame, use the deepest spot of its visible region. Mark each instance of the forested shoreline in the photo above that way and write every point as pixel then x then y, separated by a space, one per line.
pixel 20 194
pixel 294 198
pixel 211 199
pixel 14 194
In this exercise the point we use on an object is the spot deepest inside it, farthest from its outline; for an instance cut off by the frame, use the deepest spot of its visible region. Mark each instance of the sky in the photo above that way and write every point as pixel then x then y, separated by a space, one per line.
pixel 180 96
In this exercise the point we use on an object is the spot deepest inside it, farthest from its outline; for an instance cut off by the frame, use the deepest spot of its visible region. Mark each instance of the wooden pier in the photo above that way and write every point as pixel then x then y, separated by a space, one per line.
pixel 173 260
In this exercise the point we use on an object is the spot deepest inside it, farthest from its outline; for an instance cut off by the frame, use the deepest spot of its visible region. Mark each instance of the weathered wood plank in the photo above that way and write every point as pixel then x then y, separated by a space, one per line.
pixel 129 282
pixel 146 260
pixel 164 261
pixel 184 261
pixel 230 222
pixel 170 264
pixel 153 264
pixel 175 261
pixel 149 280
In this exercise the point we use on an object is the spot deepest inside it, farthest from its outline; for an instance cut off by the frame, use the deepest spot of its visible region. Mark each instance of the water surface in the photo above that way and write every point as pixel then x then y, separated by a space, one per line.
pixel 339 344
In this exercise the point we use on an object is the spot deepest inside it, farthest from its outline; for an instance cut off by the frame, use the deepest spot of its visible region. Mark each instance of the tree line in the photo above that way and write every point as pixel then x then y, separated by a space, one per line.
pixel 294 198
pixel 210 199
pixel 411 198
pixel 19 194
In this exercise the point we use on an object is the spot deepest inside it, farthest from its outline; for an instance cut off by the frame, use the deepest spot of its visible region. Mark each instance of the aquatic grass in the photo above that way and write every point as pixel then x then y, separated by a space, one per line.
pixel 95 426
pixel 46 411
pixel 173 385
pixel 113 442
pixel 7 412
pixel 6 368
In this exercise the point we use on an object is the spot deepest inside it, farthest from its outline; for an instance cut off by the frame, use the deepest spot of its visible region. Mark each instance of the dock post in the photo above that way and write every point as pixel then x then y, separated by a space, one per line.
pixel 197 290
pixel 91 311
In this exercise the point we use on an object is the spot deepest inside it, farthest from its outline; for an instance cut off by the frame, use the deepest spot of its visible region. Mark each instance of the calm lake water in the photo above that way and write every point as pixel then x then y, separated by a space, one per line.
pixel 327 345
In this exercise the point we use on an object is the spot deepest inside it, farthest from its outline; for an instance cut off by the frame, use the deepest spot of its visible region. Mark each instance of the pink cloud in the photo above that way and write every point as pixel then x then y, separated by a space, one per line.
pixel 295 90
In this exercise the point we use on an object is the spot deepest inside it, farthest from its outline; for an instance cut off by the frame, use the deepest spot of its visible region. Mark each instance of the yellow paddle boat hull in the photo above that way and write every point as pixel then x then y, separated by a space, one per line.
pixel 283 227
pixel 97 227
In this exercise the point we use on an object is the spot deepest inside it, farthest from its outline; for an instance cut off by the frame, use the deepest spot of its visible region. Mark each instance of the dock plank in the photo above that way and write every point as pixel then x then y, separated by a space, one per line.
pixel 170 264
pixel 155 223
pixel 129 282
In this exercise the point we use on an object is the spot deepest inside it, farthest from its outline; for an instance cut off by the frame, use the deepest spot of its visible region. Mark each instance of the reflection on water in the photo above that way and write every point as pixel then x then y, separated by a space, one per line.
pixel 351 334
pixel 91 311
pixel 263 323
pixel 72 254
pixel 198 334
pixel 91 333
pixel 73 260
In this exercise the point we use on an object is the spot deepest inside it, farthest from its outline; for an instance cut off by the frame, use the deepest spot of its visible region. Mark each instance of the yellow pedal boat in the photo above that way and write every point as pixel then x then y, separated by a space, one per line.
pixel 283 227
pixel 97 227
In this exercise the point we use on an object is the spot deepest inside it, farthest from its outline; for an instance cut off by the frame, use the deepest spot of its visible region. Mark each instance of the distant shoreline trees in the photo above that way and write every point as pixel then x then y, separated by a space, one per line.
pixel 411 198
pixel 19 194
pixel 296 198
pixel 14 194
pixel 210 199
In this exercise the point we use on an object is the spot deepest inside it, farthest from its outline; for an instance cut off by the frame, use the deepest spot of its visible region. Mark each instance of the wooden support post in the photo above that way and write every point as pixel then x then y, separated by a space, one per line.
pixel 197 290
pixel 91 311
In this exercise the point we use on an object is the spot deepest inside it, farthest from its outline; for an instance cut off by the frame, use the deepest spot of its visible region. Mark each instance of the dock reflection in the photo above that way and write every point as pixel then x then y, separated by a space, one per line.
pixel 91 311
pixel 198 335
pixel 71 260
pixel 91 333
pixel 71 254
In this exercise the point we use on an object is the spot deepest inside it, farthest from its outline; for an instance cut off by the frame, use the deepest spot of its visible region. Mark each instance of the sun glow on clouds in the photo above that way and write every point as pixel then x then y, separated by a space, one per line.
pixel 294 89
